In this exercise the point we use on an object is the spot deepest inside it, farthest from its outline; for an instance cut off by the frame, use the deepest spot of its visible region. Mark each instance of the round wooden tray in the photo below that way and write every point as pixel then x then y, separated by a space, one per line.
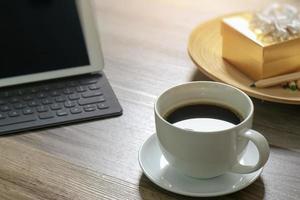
pixel 205 49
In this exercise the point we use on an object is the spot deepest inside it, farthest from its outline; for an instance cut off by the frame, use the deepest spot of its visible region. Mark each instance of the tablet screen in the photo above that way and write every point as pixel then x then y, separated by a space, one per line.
pixel 40 36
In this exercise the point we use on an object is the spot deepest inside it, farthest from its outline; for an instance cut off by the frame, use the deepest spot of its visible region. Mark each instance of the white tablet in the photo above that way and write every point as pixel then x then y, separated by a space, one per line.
pixel 46 39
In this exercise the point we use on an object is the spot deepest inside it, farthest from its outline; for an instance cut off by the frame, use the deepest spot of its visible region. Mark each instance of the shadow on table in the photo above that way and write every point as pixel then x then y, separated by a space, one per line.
pixel 198 76
pixel 149 190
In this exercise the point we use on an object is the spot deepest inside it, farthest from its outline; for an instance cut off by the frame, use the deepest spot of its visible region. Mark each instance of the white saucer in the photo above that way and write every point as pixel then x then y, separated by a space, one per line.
pixel 157 169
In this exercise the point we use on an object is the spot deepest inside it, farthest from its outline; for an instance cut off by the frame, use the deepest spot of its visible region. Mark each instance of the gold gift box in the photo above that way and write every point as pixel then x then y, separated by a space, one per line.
pixel 256 58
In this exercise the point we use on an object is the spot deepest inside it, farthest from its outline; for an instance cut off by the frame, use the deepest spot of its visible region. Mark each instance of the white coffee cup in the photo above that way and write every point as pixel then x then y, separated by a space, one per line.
pixel 207 154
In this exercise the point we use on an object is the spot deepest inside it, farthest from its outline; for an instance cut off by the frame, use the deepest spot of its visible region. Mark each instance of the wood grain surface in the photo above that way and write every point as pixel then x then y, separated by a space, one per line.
pixel 145 49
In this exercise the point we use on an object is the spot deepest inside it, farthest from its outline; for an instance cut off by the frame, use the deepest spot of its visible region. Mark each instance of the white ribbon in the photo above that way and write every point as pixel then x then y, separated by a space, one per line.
pixel 276 22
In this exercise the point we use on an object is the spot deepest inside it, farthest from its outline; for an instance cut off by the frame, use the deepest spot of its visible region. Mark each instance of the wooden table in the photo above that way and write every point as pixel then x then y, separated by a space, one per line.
pixel 144 44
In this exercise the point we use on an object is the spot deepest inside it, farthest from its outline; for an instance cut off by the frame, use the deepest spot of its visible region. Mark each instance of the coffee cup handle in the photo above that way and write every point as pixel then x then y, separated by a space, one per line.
pixel 263 150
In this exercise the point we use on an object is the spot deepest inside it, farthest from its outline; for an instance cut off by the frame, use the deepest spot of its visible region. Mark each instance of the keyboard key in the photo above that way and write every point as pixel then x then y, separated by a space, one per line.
pixel 28 97
pixel 55 106
pixel 27 111
pixel 94 87
pixel 68 91
pixel 92 94
pixel 54 93
pixel 61 113
pixel 33 90
pixel 41 95
pixel 88 81
pixel 2 102
pixel 47 101
pixel 70 104
pixel 92 100
pixel 14 99
pixel 2 116
pixel 60 99
pixel 81 89
pixel 20 92
pixel 17 120
pixel 33 103
pixel 19 105
pixel 89 108
pixel 46 115
pixel 74 97
pixel 6 94
pixel 102 106
pixel 13 114
pixel 42 109
pixel 4 108
pixel 76 110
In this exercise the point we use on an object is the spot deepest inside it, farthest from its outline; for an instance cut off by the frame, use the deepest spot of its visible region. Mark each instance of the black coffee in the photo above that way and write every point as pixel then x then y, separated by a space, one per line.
pixel 203 117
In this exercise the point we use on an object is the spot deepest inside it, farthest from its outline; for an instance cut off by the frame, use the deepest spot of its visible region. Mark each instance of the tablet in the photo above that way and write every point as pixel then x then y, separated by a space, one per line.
pixel 46 39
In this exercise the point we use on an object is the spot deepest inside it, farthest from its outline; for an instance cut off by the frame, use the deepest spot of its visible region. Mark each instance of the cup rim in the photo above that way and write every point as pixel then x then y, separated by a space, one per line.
pixel 250 114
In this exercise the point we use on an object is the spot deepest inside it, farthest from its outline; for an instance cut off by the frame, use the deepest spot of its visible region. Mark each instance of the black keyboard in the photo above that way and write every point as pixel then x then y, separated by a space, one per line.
pixel 56 102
